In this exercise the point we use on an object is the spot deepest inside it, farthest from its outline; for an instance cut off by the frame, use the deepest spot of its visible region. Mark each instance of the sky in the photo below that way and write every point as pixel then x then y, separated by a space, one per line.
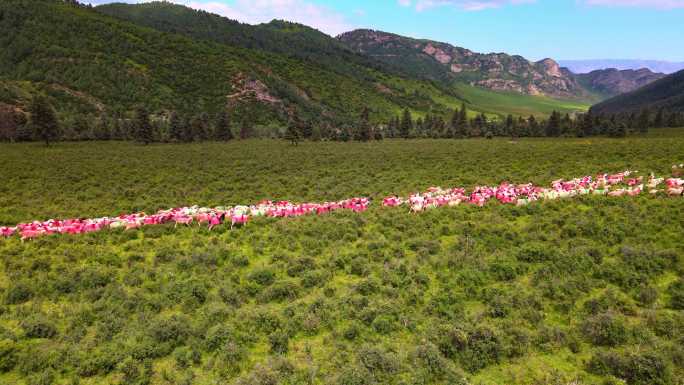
pixel 535 29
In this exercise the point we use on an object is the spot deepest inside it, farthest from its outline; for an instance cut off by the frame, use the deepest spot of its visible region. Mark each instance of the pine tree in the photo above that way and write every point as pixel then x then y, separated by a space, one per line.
pixel 453 130
pixel 175 128
pixel 644 121
pixel 659 119
pixel 364 133
pixel 245 128
pixel 142 128
pixel 292 133
pixel 672 120
pixel 553 125
pixel 43 120
pixel 566 125
pixel 406 124
pixel 534 126
pixel 223 131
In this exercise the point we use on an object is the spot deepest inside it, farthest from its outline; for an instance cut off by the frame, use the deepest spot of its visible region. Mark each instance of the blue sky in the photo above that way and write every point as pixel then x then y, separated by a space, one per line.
pixel 560 29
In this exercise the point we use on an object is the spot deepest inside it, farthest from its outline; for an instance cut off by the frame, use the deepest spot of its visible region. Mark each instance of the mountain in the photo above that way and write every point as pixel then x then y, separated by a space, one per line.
pixel 399 82
pixel 90 63
pixel 443 62
pixel 280 37
pixel 612 82
pixel 666 93
pixel 586 66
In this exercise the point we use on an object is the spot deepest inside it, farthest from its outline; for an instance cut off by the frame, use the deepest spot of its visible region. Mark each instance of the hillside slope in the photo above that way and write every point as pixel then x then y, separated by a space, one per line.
pixel 112 66
pixel 444 62
pixel 612 82
pixel 666 93
pixel 397 81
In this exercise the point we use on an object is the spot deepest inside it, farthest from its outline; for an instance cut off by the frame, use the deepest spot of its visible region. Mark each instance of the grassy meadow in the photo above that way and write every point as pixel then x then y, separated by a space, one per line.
pixel 582 291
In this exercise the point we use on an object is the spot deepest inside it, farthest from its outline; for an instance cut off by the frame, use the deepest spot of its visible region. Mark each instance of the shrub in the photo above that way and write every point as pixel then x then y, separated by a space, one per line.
pixel 352 331
pixel 185 356
pixel 535 252
pixel 18 293
pixel 676 291
pixel 8 355
pixel 279 341
pixel 647 295
pixel 483 349
pixel 428 359
pixel 280 291
pixel 174 329
pixel 605 329
pixel 645 368
pixel 38 327
pixel 378 362
pixel 383 324
pixel 263 276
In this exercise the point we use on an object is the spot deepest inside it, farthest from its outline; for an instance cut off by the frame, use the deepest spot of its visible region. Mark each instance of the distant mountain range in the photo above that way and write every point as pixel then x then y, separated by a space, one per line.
pixel 586 66
pixel 666 93
pixel 496 71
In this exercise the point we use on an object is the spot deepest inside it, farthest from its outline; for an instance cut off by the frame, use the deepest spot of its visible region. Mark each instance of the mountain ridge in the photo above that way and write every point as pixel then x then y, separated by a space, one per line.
pixel 666 93
pixel 657 66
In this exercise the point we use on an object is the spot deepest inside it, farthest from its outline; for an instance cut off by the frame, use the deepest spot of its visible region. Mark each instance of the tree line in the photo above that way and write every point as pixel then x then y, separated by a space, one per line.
pixel 42 124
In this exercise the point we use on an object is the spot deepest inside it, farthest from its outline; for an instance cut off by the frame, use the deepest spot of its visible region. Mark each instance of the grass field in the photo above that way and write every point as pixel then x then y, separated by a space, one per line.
pixel 583 291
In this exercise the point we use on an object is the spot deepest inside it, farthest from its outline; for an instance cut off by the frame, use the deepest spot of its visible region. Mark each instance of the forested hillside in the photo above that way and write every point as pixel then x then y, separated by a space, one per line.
pixel 94 64
pixel 666 93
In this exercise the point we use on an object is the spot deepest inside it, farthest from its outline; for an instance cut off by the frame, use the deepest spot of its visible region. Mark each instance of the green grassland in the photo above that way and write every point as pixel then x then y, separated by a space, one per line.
pixel 583 291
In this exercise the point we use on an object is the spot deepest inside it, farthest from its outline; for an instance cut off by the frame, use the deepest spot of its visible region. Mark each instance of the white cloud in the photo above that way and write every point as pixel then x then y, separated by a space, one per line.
pixel 660 4
pixel 262 11
pixel 468 5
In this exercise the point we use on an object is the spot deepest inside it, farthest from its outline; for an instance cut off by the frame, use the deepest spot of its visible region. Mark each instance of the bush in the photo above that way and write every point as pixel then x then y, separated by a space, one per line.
pixel 18 293
pixel 174 330
pixel 605 329
pixel 280 291
pixel 534 253
pixel 8 355
pixel 436 369
pixel 352 331
pixel 38 327
pixel 378 362
pixel 185 356
pixel 676 291
pixel 646 368
pixel 279 341
pixel 263 277
pixel 483 348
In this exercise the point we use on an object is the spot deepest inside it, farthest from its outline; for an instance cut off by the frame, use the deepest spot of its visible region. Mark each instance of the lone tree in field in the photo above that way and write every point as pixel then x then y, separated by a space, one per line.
pixel 142 128
pixel 223 131
pixel 406 125
pixel 43 120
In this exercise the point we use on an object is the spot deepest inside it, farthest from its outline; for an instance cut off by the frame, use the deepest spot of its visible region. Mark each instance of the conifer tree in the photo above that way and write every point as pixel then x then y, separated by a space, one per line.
pixel 175 128
pixel 364 131
pixel 659 118
pixel 142 128
pixel 454 124
pixel 223 131
pixel 406 124
pixel 644 121
pixel 43 120
pixel 553 125
pixel 292 133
